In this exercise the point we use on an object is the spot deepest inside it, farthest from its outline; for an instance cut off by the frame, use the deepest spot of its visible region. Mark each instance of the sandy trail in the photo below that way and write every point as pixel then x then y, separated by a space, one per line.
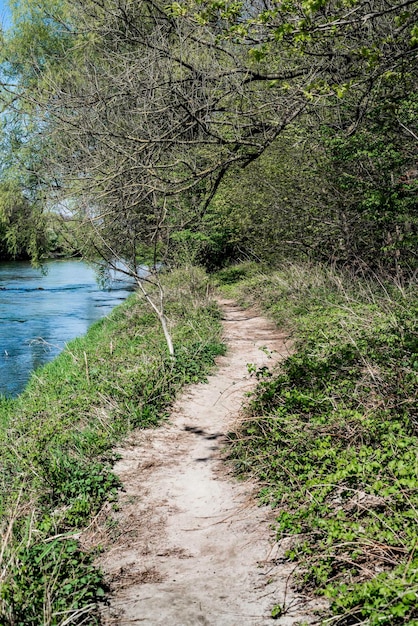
pixel 191 545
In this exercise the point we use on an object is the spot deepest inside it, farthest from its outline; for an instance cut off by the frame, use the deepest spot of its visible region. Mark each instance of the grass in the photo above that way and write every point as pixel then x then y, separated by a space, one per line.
pixel 332 437
pixel 56 445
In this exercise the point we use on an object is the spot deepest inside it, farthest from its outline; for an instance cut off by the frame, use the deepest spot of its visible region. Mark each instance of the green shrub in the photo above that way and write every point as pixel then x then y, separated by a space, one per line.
pixel 57 439
pixel 50 582
pixel 333 435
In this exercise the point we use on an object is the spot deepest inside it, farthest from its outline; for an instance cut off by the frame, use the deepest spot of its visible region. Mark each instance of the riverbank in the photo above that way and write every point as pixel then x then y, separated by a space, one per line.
pixel 56 445
pixel 41 310
pixel 332 437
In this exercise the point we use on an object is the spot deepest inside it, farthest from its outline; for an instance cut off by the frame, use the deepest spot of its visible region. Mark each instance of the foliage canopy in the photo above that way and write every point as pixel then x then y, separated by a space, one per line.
pixel 138 110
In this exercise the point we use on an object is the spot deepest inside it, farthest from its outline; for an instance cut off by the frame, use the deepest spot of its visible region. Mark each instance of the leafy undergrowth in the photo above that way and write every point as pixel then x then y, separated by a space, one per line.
pixel 56 445
pixel 332 436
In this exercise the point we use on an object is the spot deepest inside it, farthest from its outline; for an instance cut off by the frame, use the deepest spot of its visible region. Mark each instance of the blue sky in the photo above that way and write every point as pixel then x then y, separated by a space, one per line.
pixel 4 13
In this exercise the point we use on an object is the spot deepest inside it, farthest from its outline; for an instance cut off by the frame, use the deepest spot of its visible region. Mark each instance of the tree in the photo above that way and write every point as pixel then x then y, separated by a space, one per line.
pixel 144 108
pixel 373 174
pixel 22 226
pixel 23 222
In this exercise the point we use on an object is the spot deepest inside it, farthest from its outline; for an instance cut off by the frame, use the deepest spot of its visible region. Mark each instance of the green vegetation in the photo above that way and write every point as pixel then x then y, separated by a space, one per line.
pixel 332 435
pixel 287 128
pixel 56 445
pixel 286 132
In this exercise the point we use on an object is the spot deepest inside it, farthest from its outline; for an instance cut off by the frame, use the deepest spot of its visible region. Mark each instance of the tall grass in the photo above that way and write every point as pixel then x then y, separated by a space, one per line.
pixel 332 437
pixel 56 445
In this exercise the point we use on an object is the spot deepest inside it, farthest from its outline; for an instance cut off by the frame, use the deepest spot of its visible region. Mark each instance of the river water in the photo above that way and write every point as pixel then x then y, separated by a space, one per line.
pixel 41 312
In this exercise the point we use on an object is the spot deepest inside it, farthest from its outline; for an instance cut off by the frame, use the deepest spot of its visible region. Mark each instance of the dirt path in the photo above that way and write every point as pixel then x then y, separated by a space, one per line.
pixel 192 547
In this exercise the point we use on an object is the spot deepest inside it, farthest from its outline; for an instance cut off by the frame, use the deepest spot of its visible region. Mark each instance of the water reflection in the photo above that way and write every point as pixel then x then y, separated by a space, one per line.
pixel 41 312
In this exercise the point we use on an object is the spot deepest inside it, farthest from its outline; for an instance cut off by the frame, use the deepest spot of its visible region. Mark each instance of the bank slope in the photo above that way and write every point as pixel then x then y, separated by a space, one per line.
pixel 332 437
pixel 57 438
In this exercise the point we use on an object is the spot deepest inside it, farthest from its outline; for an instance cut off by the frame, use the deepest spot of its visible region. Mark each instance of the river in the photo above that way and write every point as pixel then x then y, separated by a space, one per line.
pixel 41 312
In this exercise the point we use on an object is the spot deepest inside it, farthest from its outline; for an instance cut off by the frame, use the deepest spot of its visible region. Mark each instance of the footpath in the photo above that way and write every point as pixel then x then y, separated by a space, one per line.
pixel 190 545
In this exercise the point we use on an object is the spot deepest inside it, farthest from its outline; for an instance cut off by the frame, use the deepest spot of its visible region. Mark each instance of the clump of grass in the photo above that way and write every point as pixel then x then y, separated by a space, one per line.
pixel 333 436
pixel 57 438
pixel 233 274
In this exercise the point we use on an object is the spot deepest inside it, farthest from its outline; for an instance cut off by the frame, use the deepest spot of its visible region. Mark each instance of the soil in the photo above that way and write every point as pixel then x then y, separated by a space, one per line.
pixel 190 545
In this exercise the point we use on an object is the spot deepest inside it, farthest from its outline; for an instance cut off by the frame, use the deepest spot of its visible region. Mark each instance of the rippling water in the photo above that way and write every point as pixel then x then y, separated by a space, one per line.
pixel 39 313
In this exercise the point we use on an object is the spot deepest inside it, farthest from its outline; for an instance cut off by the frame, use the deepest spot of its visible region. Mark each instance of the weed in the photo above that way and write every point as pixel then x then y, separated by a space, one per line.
pixel 277 611
pixel 57 438
pixel 333 436
pixel 50 582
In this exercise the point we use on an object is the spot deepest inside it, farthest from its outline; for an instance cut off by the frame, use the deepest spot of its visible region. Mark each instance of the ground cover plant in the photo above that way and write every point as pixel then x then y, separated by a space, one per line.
pixel 332 436
pixel 56 445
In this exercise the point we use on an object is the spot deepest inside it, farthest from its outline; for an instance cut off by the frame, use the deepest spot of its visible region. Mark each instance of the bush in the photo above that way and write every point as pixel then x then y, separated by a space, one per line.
pixel 56 444
pixel 333 436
